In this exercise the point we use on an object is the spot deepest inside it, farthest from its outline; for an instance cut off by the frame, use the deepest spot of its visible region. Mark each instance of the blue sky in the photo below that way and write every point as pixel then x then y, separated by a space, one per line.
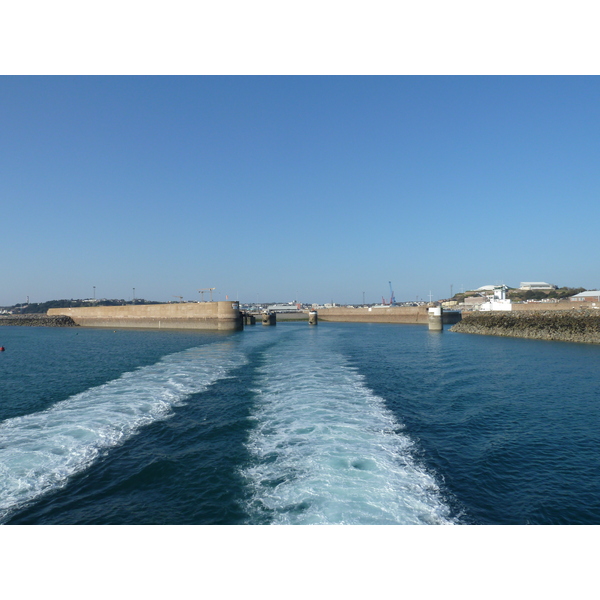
pixel 283 187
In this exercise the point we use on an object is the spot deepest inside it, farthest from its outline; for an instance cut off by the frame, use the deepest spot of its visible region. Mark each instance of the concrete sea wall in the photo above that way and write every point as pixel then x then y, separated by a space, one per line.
pixel 224 315
pixel 391 314
pixel 543 306
pixel 566 325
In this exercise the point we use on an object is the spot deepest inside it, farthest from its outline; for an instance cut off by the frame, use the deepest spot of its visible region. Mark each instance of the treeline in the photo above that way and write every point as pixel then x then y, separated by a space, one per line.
pixel 42 307
pixel 517 295
pixel 558 294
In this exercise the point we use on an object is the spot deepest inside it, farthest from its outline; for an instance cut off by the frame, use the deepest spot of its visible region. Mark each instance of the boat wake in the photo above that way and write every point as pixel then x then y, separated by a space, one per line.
pixel 325 449
pixel 39 452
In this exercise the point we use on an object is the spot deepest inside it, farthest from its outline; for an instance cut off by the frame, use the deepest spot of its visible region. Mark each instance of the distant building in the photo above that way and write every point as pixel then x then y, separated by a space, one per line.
pixel 536 285
pixel 290 307
pixel 589 296
pixel 450 303
pixel 499 301
pixel 473 300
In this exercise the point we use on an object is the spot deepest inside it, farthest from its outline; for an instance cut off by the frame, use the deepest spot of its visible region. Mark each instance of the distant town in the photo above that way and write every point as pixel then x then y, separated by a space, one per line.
pixel 537 291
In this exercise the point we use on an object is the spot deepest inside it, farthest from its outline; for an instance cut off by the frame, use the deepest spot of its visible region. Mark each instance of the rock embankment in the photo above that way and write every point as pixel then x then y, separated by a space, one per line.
pixel 35 320
pixel 567 326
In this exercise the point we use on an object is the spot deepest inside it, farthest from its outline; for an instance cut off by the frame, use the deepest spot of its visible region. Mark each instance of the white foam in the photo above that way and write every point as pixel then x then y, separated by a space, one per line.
pixel 325 449
pixel 40 451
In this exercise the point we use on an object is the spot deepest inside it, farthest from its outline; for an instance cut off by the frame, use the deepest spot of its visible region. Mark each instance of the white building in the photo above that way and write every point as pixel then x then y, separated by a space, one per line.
pixel 589 296
pixel 289 307
pixel 499 301
pixel 536 285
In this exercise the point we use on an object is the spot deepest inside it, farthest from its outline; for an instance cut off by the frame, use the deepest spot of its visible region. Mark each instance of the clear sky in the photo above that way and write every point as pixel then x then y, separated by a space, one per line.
pixel 286 187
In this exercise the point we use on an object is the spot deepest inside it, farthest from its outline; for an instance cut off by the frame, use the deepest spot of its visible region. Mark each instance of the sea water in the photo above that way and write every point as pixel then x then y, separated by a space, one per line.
pixel 334 424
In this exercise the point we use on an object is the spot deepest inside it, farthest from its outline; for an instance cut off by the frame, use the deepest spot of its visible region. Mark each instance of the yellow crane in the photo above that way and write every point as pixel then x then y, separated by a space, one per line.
pixel 202 292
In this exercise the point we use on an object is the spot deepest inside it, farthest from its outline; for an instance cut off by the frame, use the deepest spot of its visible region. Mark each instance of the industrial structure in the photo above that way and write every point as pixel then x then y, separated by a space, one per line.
pixel 392 301
pixel 589 296
pixel 536 285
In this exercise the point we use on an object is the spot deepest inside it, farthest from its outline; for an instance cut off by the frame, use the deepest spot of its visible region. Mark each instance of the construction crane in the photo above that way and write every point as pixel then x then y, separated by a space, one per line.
pixel 202 292
pixel 180 298
pixel 392 301
pixel 392 298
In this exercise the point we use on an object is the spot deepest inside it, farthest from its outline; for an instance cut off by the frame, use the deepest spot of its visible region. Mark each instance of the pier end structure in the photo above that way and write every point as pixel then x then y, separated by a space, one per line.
pixel 222 316
pixel 435 318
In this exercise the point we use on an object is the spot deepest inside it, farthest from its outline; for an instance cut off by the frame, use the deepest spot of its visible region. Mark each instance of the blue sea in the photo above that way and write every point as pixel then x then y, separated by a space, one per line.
pixel 334 424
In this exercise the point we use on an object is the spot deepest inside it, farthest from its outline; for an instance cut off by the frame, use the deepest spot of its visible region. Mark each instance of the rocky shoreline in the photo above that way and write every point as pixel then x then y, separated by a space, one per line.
pixel 581 325
pixel 35 320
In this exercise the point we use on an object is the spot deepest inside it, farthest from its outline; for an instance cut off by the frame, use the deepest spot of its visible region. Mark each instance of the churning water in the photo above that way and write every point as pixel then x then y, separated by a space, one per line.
pixel 334 424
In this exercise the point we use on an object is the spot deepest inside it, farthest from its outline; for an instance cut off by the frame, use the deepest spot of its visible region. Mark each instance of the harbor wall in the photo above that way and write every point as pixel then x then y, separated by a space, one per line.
pixel 558 325
pixel 390 314
pixel 223 315
pixel 543 306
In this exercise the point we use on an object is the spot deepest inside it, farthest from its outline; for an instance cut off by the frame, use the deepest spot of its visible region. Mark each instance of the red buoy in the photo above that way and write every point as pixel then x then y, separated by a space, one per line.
pixel 2 348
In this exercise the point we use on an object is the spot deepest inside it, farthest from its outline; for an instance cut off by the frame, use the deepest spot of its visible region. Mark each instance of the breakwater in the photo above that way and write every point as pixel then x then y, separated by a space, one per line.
pixel 35 320
pixel 389 314
pixel 581 325
pixel 221 315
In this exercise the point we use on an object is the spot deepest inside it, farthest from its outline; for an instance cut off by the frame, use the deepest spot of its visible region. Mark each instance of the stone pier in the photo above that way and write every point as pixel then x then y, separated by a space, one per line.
pixel 223 316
